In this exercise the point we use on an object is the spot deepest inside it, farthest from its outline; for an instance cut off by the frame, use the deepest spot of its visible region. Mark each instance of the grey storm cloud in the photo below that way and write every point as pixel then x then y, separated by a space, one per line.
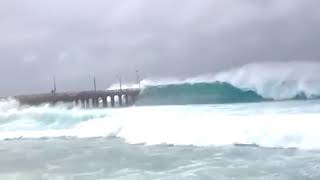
pixel 78 39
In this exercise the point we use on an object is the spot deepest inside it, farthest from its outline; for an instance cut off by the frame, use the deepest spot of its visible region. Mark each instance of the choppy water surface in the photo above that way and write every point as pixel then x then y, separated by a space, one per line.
pixel 105 158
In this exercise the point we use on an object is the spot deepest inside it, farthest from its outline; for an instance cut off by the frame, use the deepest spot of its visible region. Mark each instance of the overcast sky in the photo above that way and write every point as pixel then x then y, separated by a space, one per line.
pixel 79 39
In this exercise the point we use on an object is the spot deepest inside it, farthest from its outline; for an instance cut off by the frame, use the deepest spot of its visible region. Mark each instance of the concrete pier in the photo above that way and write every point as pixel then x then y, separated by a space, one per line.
pixel 85 99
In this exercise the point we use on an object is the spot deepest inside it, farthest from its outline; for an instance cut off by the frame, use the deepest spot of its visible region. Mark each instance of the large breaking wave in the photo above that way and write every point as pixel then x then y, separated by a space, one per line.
pixel 250 83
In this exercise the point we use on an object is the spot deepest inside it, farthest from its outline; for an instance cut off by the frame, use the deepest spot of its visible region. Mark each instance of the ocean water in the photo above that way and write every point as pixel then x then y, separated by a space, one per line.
pixel 230 125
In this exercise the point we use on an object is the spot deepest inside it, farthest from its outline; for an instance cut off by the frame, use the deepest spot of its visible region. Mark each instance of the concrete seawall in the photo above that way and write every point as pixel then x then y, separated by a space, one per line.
pixel 85 99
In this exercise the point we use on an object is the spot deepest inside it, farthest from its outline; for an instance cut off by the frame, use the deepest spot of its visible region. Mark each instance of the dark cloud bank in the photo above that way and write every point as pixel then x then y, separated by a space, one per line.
pixel 77 39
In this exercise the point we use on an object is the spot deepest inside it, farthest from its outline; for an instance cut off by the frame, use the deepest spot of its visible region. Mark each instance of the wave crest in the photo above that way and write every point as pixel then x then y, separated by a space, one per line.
pixel 277 81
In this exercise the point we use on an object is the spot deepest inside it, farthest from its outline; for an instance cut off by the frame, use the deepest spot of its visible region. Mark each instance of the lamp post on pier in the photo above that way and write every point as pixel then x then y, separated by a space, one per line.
pixel 120 83
pixel 54 90
pixel 138 78
pixel 94 84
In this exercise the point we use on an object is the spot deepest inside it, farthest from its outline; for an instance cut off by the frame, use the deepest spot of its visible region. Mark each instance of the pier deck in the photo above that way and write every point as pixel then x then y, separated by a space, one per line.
pixel 85 99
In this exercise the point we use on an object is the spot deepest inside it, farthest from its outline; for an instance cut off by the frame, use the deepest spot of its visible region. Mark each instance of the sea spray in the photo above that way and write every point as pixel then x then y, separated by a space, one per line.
pixel 281 80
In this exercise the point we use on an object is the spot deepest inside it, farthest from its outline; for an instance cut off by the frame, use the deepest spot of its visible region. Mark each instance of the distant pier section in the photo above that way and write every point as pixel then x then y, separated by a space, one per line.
pixel 85 99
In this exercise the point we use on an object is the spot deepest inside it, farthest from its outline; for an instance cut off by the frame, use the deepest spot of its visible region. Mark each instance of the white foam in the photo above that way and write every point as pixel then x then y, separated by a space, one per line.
pixel 148 82
pixel 277 124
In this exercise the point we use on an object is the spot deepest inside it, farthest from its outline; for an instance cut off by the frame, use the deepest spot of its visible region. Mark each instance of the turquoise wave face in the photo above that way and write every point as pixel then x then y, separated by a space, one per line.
pixel 198 93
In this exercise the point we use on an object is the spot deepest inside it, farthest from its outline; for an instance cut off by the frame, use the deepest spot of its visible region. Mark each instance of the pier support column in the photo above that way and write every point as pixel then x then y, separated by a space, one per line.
pixel 120 100
pixel 94 102
pixel 75 103
pixel 87 104
pixel 126 97
pixel 133 99
pixel 105 103
pixel 97 102
pixel 83 103
pixel 112 101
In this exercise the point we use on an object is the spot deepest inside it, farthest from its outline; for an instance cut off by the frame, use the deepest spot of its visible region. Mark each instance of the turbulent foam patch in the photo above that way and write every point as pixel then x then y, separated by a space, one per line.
pixel 273 124
pixel 14 118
